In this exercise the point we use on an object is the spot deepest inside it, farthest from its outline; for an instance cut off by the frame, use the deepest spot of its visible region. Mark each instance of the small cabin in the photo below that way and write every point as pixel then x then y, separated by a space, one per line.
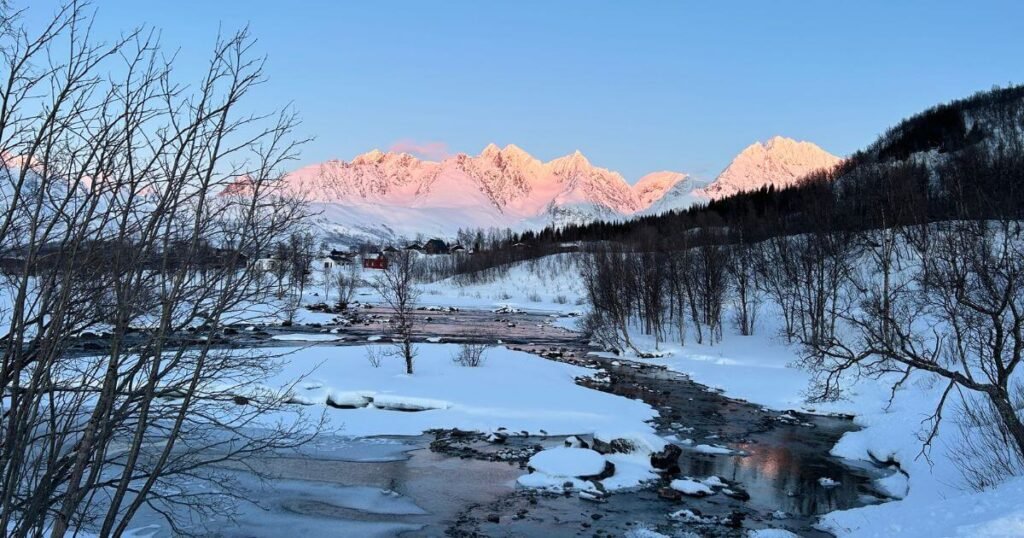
pixel 340 257
pixel 325 263
pixel 436 246
pixel 375 262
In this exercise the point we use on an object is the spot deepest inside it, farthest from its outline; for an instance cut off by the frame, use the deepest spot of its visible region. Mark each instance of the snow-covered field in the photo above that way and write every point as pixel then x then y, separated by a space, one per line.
pixel 514 391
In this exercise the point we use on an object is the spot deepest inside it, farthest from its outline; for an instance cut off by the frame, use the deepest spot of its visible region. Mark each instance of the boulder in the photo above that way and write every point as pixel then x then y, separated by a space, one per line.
pixel 614 446
pixel 609 471
pixel 666 459
pixel 575 442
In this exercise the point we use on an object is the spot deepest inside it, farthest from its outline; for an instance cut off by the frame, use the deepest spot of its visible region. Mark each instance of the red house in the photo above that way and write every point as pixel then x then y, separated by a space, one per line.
pixel 378 262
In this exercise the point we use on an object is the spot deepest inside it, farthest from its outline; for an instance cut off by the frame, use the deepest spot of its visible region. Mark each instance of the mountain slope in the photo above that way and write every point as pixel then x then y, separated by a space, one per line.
pixel 382 195
pixel 652 187
pixel 682 195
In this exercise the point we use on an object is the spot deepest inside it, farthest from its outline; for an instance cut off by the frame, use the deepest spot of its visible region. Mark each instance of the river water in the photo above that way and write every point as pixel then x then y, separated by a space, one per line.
pixel 399 486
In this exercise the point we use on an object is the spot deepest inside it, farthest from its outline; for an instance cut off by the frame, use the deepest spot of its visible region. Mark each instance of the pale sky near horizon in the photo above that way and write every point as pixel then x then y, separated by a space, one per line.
pixel 636 86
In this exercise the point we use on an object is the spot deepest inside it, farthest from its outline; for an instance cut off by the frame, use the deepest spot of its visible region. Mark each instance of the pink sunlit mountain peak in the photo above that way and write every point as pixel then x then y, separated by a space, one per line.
pixel 382 194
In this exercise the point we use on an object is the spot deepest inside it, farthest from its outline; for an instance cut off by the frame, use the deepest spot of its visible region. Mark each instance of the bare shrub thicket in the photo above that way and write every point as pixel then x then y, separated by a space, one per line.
pixel 654 291
pixel 346 282
pixel 134 200
pixel 375 355
pixel 471 354
pixel 984 451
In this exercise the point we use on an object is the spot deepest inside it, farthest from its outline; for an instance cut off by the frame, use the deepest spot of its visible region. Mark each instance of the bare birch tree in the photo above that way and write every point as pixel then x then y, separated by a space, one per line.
pixel 396 286
pixel 131 204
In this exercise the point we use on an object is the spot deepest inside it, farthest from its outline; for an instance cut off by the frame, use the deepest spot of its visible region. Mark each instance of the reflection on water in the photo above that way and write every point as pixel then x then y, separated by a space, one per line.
pixel 782 477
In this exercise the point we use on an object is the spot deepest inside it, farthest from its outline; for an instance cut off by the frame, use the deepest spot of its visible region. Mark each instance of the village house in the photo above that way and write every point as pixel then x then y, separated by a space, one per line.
pixel 341 257
pixel 378 261
pixel 436 246
pixel 324 263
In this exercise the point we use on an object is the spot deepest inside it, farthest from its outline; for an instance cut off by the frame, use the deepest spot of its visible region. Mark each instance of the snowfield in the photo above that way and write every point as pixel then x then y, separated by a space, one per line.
pixel 512 390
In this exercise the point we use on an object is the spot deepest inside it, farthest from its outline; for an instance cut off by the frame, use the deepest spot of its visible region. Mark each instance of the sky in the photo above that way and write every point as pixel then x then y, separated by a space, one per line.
pixel 637 86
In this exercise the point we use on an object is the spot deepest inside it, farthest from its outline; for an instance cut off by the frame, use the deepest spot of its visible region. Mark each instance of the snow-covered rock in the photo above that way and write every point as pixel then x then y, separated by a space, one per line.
pixel 557 469
pixel 568 462
pixel 713 450
pixel 306 337
pixel 610 442
pixel 771 533
pixel 689 486
pixel 827 482
pixel 347 399
pixel 406 403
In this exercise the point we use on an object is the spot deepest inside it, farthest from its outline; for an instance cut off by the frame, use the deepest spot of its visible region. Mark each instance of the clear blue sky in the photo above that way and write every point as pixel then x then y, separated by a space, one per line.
pixel 636 86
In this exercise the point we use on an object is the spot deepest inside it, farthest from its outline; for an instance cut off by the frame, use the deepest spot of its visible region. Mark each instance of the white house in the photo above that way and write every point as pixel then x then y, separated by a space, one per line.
pixel 267 264
pixel 324 262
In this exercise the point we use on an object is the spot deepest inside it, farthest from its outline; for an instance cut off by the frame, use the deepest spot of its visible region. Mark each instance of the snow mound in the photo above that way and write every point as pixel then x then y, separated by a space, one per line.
pixel 300 337
pixel 713 450
pixel 630 442
pixel 771 533
pixel 568 462
pixel 406 403
pixel 689 486
pixel 347 399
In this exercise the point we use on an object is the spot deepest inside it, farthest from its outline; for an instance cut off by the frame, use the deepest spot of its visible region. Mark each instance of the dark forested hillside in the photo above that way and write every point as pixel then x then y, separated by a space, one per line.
pixel 959 160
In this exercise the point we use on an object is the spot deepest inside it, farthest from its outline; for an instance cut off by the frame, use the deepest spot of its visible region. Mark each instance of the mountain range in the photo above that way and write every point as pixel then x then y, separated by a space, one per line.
pixel 383 196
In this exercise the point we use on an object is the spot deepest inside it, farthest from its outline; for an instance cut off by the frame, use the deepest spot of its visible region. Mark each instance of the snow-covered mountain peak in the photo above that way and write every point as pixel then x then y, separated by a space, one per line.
pixel 400 194
pixel 386 194
pixel 779 161
pixel 491 150
pixel 572 162
pixel 370 157
pixel 510 155
pixel 653 186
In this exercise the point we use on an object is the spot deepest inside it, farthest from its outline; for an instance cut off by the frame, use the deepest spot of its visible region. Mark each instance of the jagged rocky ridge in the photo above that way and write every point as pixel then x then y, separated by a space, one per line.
pixel 383 196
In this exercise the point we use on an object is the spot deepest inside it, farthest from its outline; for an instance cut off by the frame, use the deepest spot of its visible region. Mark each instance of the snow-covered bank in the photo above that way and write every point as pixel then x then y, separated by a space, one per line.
pixel 512 390
pixel 932 497
pixel 994 513
pixel 551 283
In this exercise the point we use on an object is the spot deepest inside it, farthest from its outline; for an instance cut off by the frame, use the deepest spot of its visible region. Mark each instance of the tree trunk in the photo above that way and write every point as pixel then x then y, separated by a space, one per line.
pixel 1008 415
